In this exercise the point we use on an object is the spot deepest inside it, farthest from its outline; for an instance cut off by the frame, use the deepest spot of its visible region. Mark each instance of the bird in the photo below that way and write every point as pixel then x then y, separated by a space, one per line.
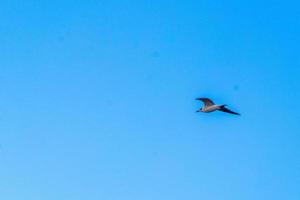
pixel 210 106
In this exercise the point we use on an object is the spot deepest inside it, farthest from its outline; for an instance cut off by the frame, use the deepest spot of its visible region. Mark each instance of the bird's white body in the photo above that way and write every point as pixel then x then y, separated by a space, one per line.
pixel 208 109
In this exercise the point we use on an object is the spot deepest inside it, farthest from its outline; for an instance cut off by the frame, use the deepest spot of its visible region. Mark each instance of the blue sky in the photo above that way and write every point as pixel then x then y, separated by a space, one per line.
pixel 97 100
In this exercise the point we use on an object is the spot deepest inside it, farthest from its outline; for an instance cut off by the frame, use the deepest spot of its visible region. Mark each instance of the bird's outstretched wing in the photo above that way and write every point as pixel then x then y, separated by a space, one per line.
pixel 223 109
pixel 206 101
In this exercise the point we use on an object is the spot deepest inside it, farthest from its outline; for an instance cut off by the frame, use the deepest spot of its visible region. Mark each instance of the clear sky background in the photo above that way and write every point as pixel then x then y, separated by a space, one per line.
pixel 97 100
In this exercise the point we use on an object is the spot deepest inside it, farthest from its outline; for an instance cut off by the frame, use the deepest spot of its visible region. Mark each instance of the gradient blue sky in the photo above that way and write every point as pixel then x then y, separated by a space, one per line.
pixel 97 100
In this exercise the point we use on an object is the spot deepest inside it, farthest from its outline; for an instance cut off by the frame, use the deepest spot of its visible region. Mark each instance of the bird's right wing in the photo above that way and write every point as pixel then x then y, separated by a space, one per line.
pixel 223 109
pixel 206 101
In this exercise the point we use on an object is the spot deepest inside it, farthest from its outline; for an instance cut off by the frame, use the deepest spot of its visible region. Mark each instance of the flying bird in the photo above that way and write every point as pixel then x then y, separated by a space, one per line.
pixel 210 106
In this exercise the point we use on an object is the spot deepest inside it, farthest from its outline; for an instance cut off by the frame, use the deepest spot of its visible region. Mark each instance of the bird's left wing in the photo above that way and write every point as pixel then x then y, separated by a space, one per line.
pixel 206 101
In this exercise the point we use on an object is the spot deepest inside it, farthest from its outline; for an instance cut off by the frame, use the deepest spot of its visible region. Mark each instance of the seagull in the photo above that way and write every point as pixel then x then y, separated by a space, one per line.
pixel 210 106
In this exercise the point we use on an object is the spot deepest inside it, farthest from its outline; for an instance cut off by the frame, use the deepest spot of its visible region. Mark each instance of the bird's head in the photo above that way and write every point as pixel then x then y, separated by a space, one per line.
pixel 200 110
